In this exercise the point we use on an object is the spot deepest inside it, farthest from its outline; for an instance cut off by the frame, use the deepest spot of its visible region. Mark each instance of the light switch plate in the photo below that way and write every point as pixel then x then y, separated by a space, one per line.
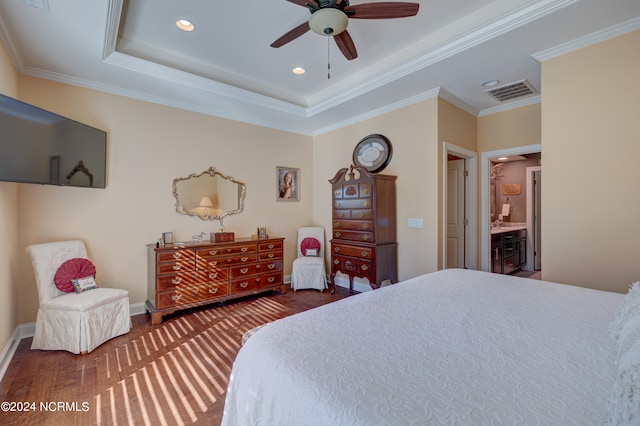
pixel 414 222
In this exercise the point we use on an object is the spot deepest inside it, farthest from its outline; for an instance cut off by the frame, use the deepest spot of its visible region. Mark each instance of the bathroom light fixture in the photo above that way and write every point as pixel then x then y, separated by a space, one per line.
pixel 503 158
pixel 298 70
pixel 490 83
pixel 185 25
pixel 328 21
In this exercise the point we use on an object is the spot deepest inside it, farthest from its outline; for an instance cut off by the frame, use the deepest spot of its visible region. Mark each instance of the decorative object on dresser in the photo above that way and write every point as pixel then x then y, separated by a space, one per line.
pixel 364 227
pixel 308 269
pixel 186 275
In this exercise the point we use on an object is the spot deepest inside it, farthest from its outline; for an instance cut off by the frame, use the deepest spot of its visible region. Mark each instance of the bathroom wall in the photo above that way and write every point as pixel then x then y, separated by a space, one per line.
pixel 514 172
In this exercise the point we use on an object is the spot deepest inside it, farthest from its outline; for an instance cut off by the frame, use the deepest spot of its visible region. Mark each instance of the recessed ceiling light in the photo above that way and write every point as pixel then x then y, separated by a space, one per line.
pixel 490 83
pixel 185 25
pixel 298 70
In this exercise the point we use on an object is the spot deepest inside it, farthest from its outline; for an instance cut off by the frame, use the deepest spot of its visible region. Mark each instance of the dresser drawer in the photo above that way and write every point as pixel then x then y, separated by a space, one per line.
pixel 271 245
pixel 269 266
pixel 221 262
pixel 354 251
pixel 244 270
pixel 183 295
pixel 212 275
pixel 209 252
pixel 272 279
pixel 361 236
pixel 169 282
pixel 245 284
pixel 175 256
pixel 270 255
pixel 353 266
pixel 353 204
pixel 356 225
pixel 175 267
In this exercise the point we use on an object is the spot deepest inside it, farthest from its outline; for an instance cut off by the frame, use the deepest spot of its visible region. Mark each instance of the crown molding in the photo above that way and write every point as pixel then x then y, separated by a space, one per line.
pixel 532 100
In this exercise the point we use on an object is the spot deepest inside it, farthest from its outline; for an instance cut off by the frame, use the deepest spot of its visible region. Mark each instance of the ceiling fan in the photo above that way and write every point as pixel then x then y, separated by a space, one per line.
pixel 331 17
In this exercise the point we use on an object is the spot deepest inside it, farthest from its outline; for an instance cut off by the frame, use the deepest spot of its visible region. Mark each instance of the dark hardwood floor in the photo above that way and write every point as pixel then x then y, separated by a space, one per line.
pixel 170 374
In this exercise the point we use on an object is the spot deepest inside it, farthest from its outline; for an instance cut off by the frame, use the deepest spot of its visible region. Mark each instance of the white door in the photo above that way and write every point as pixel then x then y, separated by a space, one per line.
pixel 455 214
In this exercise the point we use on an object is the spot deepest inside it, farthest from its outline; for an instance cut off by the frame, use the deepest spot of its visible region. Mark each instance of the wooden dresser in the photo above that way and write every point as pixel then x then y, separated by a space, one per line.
pixel 363 240
pixel 185 275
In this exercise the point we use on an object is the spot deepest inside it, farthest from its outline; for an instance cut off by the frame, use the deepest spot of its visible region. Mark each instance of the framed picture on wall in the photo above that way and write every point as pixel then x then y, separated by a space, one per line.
pixel 287 184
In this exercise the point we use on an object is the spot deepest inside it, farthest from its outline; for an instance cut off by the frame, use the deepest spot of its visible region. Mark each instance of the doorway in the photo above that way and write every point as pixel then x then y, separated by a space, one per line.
pixel 485 203
pixel 459 216
pixel 534 218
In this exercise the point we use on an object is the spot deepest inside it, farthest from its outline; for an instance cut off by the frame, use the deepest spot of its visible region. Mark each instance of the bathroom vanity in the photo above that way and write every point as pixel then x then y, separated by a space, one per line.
pixel 508 248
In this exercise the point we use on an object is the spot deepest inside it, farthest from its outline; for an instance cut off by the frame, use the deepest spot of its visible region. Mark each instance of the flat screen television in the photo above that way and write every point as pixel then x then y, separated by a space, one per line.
pixel 38 146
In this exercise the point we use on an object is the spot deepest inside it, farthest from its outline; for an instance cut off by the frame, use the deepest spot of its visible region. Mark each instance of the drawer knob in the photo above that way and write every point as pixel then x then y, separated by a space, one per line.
pixel 258 266
pixel 177 267
pixel 337 225
pixel 243 249
pixel 337 205
pixel 336 262
pixel 270 246
pixel 244 258
pixel 271 265
pixel 177 255
pixel 364 267
pixel 213 252
pixel 196 290
pixel 271 279
pixel 213 290
pixel 213 263
pixel 365 191
pixel 337 249
pixel 365 226
pixel 270 255
pixel 360 215
pixel 365 237
pixel 176 297
pixel 213 275
pixel 244 270
pixel 244 284
pixel 365 203
pixel 364 254
pixel 337 234
pixel 176 281
pixel 341 215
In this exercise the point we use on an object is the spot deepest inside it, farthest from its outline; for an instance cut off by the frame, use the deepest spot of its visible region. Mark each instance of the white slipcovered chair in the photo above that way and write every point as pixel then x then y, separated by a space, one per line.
pixel 308 268
pixel 77 323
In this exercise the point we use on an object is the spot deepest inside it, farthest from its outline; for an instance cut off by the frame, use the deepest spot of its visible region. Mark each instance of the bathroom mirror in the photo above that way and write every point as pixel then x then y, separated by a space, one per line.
pixel 209 195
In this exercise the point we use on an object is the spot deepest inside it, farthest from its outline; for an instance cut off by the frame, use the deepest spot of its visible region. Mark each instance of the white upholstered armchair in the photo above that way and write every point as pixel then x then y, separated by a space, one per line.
pixel 308 269
pixel 77 323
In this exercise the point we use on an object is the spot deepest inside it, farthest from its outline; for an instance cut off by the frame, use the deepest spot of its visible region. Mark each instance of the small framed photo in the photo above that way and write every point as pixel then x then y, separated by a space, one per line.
pixel 287 184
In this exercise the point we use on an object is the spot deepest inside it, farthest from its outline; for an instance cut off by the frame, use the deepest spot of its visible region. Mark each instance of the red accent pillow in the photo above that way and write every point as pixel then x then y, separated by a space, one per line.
pixel 71 270
pixel 309 243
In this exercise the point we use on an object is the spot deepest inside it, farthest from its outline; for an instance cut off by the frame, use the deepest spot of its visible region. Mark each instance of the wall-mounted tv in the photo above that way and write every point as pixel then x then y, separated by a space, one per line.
pixel 38 146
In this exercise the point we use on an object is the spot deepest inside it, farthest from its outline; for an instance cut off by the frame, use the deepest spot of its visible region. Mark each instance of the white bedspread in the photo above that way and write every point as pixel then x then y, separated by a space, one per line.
pixel 456 347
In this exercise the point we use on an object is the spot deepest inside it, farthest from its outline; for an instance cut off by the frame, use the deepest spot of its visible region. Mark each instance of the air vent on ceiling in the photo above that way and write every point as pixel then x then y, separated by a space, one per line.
pixel 512 90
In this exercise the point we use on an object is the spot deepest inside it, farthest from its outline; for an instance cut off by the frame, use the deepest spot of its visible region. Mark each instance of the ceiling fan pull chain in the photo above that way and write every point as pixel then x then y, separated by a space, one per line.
pixel 328 60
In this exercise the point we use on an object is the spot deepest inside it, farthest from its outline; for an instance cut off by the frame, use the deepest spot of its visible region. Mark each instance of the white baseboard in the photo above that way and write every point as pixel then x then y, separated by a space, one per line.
pixel 24 331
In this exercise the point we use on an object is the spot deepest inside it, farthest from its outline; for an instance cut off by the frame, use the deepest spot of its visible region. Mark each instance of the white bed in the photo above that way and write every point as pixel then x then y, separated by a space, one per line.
pixel 455 347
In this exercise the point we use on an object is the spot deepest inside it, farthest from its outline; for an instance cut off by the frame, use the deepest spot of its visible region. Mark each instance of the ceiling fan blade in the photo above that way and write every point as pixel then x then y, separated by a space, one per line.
pixel 291 35
pixel 346 45
pixel 303 2
pixel 382 10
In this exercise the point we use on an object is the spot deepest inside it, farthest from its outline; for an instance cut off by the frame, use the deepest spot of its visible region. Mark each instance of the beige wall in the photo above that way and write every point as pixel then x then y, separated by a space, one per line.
pixel 148 146
pixel 509 129
pixel 414 137
pixel 591 171
pixel 460 128
pixel 8 222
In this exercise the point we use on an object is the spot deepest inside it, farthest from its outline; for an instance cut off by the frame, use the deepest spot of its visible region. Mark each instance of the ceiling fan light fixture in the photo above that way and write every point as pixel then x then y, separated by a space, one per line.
pixel 328 21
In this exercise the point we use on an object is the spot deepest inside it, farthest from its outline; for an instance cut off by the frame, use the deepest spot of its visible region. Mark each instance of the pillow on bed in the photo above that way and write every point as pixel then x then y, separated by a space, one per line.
pixel 630 308
pixel 623 407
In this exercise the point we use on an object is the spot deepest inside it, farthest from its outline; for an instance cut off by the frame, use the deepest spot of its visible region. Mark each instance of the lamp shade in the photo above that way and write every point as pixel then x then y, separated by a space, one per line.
pixel 328 21
pixel 205 202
